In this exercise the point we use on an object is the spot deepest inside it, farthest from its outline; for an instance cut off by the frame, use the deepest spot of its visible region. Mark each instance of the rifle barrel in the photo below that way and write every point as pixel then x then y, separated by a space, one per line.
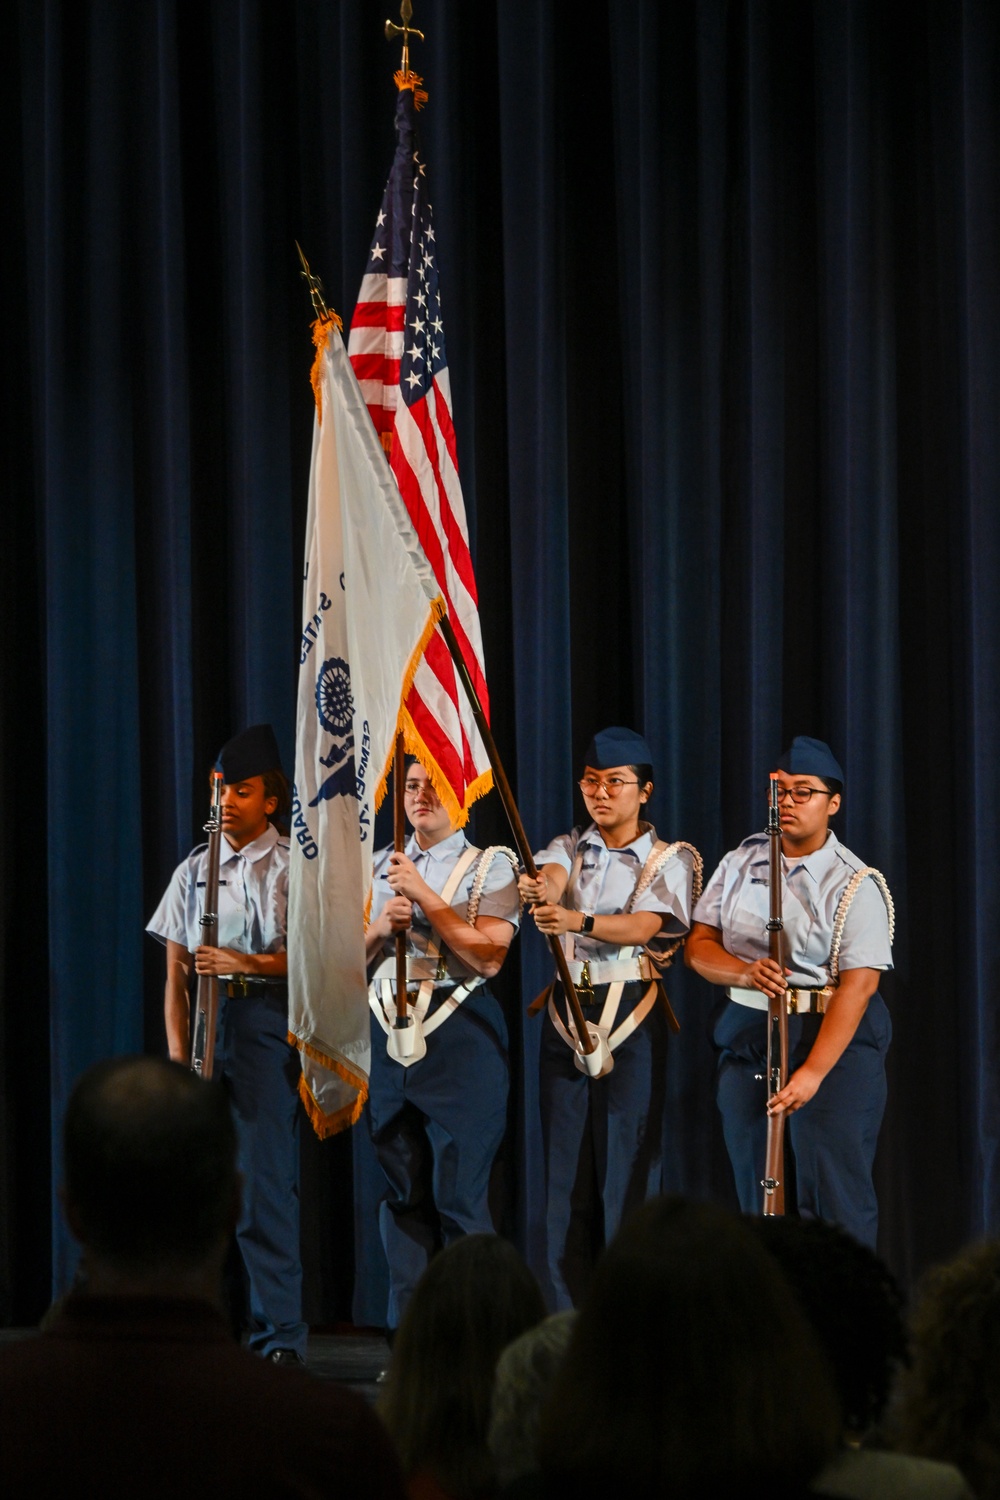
pixel 777 1020
pixel 206 1005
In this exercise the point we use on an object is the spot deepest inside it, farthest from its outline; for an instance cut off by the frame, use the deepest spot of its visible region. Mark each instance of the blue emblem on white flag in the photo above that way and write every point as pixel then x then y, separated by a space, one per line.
pixel 335 710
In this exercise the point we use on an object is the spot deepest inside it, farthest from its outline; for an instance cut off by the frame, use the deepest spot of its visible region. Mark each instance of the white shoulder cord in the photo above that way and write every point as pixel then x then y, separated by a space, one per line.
pixel 844 906
pixel 482 870
pixel 653 865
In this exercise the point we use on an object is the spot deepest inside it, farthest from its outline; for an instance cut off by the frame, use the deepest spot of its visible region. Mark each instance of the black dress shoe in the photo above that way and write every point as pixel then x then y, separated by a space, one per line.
pixel 285 1357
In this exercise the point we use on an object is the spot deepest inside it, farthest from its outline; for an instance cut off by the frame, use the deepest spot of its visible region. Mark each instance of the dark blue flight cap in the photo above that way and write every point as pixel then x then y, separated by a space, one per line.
pixel 250 753
pixel 617 747
pixel 809 757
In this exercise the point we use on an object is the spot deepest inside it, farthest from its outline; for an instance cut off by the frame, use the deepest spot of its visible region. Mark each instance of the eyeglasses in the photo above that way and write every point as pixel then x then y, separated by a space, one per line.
pixel 591 785
pixel 802 793
pixel 411 788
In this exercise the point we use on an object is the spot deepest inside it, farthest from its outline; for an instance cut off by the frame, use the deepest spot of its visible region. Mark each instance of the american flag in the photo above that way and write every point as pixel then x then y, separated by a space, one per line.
pixel 397 349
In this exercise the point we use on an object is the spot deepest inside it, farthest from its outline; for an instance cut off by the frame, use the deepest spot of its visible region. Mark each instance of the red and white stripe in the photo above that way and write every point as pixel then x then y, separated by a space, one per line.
pixel 420 442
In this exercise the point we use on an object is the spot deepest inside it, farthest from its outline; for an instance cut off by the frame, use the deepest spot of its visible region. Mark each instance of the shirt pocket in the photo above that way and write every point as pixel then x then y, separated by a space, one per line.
pixel 745 920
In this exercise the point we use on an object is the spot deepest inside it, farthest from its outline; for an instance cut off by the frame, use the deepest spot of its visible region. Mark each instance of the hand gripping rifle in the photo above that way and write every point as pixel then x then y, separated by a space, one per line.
pixel 206 1005
pixel 777 1020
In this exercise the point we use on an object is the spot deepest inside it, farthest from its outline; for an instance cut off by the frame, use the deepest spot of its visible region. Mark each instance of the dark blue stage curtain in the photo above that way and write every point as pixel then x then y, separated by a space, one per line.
pixel 722 305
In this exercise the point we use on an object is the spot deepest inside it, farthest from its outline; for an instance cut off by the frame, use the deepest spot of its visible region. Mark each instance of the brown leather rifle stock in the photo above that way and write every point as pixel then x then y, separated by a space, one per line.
pixel 777 1020
pixel 206 1004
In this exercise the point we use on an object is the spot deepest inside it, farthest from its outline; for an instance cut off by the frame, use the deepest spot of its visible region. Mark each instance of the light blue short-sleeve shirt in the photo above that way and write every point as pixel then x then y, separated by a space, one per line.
pixel 607 878
pixel 736 901
pixel 253 897
pixel 499 896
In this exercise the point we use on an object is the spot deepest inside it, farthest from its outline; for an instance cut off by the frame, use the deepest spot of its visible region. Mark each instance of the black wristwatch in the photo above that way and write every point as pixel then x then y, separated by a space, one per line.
pixel 587 923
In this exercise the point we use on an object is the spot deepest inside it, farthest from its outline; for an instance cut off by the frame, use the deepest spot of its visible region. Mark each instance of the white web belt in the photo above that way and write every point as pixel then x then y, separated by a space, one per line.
pixel 610 970
pixel 814 999
pixel 800 1002
pixel 417 967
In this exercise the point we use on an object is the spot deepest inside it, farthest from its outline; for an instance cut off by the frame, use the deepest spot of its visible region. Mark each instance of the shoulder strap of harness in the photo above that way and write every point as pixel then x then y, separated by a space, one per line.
pixel 455 879
pixel 435 948
pixel 844 906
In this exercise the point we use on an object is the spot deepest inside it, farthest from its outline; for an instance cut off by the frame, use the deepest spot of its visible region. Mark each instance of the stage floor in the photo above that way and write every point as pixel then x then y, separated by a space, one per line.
pixel 355 1359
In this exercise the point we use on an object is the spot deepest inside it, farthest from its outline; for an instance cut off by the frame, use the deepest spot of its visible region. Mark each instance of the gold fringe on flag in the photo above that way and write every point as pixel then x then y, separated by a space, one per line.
pixel 411 80
pixel 326 1125
pixel 414 743
pixel 438 609
pixel 320 330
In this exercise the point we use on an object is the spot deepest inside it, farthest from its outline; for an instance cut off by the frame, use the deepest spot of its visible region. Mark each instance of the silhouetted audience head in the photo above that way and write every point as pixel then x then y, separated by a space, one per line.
pixel 150 1164
pixel 853 1305
pixel 135 1386
pixel 525 1371
pixel 950 1397
pixel 691 1370
pixel 471 1302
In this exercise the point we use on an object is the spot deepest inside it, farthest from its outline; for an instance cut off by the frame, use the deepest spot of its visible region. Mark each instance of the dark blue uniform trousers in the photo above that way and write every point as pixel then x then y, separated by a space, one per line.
pixel 261 1071
pixel 832 1138
pixel 602 1139
pixel 436 1127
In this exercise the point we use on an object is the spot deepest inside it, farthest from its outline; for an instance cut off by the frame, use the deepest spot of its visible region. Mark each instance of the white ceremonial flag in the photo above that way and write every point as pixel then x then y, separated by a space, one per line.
pixel 369 608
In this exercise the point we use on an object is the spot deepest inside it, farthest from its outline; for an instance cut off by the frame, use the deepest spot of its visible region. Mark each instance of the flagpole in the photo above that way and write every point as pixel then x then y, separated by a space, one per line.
pixel 315 287
pixel 588 1046
pixel 399 841
pixel 591 1050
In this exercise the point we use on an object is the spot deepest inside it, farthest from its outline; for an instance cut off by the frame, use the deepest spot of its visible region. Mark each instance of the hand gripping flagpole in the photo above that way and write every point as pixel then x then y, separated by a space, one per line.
pixel 589 1047
pixel 404 1038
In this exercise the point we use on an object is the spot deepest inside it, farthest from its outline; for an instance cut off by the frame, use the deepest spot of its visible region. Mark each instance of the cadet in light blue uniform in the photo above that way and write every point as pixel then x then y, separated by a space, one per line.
pixel 436 1123
pixel 619 900
pixel 252 1054
pixel 839 1035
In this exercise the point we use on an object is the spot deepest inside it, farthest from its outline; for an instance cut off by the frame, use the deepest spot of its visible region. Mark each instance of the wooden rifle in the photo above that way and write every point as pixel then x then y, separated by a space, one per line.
pixel 206 1004
pixel 777 1020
